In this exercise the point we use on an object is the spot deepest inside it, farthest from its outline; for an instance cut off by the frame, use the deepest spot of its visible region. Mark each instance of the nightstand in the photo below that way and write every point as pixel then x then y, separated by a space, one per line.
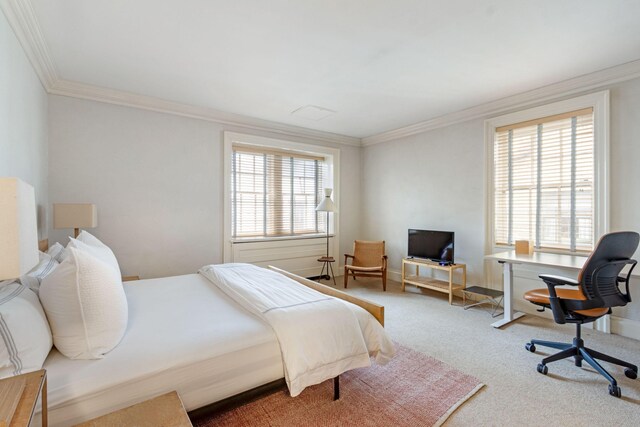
pixel 18 398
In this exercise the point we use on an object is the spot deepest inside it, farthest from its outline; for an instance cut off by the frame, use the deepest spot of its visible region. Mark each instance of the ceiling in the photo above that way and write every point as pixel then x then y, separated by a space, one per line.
pixel 378 64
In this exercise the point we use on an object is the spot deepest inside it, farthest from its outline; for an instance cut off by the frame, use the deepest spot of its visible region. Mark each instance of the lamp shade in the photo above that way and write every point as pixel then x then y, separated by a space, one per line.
pixel 18 228
pixel 326 205
pixel 75 215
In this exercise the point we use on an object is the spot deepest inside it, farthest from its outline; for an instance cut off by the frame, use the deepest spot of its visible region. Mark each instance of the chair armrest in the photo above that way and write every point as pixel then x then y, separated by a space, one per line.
pixel 558 280
pixel 557 306
pixel 384 261
pixel 625 279
pixel 347 256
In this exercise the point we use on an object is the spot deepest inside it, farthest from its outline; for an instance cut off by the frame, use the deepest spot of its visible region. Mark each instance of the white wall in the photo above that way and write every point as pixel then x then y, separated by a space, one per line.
pixel 158 182
pixel 625 174
pixel 23 121
pixel 434 180
pixel 430 181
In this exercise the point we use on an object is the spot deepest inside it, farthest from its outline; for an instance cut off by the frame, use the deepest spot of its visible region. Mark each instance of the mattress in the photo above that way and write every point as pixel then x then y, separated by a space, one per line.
pixel 183 334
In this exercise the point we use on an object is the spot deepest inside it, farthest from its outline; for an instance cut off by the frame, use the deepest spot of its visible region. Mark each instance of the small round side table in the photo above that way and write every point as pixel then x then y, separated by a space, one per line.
pixel 327 262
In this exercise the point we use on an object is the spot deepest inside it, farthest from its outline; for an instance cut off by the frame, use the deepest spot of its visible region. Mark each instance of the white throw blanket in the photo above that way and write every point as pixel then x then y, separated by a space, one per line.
pixel 320 336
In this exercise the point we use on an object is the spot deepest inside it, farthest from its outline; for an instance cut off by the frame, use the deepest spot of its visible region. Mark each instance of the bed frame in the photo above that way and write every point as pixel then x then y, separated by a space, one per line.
pixel 376 310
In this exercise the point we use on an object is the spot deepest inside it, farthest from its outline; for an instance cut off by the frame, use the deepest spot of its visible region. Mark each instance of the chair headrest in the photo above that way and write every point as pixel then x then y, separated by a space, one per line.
pixel 612 246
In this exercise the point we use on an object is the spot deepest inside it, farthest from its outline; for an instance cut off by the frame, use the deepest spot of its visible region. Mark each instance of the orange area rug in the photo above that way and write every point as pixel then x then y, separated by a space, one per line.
pixel 411 390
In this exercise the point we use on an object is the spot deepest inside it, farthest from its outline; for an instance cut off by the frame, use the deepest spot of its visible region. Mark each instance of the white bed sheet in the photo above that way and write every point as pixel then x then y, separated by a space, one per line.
pixel 230 351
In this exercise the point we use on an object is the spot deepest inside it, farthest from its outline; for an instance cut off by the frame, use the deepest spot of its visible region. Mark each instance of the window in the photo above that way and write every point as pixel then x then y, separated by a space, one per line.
pixel 274 192
pixel 544 174
pixel 547 175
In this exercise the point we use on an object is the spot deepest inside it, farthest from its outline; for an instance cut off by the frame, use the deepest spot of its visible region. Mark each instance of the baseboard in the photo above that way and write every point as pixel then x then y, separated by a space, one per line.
pixel 394 275
pixel 626 327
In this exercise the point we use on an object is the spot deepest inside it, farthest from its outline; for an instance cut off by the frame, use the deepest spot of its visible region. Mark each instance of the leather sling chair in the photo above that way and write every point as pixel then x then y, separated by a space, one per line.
pixel 595 292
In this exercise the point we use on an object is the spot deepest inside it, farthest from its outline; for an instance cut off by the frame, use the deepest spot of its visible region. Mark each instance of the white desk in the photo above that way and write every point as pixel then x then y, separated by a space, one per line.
pixel 507 259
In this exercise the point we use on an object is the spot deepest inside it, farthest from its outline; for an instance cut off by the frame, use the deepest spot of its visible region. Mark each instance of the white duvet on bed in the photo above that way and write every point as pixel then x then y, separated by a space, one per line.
pixel 320 336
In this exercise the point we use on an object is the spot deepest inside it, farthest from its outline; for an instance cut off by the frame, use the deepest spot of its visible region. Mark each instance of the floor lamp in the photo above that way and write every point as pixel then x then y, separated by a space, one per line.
pixel 327 205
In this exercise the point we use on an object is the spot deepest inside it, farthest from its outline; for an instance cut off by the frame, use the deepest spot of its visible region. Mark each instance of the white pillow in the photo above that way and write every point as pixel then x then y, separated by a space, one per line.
pixel 86 306
pixel 25 337
pixel 57 252
pixel 95 247
pixel 34 277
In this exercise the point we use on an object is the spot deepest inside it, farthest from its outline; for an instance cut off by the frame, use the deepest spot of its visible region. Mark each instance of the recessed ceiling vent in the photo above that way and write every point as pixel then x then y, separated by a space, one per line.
pixel 312 112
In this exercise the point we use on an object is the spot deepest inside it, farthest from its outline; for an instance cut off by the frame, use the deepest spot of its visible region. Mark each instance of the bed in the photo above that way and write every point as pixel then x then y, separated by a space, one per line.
pixel 230 351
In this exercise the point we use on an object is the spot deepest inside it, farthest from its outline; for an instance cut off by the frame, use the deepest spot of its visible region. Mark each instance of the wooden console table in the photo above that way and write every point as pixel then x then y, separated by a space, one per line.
pixel 448 287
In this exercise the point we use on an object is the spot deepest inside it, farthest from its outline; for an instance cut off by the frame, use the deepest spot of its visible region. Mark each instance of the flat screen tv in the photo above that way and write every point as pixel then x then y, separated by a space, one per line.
pixel 431 244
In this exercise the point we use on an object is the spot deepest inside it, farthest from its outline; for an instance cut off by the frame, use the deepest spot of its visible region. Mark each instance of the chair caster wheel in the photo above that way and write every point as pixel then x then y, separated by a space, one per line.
pixel 530 347
pixel 614 390
pixel 542 369
pixel 630 373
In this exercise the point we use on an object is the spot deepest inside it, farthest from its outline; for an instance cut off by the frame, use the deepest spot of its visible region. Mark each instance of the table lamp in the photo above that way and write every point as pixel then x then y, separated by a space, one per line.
pixel 327 205
pixel 75 215
pixel 18 228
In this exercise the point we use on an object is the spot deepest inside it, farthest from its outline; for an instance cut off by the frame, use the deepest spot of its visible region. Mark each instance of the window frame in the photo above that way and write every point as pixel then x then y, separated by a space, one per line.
pixel 332 159
pixel 599 101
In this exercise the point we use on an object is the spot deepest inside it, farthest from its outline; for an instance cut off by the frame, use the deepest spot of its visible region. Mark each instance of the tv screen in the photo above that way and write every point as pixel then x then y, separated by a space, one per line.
pixel 430 244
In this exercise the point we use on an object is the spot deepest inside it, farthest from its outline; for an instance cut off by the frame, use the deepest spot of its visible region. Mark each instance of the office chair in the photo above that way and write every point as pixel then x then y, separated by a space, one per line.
pixel 597 290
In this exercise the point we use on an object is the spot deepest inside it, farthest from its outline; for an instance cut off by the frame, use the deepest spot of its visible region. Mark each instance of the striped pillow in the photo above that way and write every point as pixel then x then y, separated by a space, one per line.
pixel 33 278
pixel 25 337
pixel 57 252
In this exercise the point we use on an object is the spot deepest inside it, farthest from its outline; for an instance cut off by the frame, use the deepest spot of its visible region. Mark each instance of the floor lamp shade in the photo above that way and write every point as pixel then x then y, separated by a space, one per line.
pixel 18 228
pixel 75 215
pixel 326 204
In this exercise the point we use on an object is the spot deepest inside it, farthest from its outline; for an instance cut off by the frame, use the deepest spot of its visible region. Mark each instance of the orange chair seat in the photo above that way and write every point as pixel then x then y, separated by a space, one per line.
pixel 541 296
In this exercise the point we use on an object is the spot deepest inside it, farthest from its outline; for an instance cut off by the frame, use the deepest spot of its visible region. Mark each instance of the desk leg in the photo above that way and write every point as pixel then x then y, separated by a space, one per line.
pixel 509 314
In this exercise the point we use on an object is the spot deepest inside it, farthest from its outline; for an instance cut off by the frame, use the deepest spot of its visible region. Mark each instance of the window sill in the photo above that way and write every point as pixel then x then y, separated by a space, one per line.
pixel 279 239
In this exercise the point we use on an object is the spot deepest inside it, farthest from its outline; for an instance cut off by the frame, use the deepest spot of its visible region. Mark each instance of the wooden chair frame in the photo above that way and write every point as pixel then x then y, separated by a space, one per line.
pixel 355 272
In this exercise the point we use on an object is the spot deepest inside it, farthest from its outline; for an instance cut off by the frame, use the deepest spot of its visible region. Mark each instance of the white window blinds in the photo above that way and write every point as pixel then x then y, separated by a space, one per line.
pixel 275 193
pixel 544 182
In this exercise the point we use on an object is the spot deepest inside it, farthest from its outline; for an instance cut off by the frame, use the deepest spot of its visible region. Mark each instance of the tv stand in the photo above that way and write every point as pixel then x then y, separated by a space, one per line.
pixel 447 287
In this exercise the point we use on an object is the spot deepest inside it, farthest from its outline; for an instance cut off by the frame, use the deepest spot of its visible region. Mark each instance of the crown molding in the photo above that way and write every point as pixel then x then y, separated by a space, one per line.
pixel 23 21
pixel 583 83
pixel 127 99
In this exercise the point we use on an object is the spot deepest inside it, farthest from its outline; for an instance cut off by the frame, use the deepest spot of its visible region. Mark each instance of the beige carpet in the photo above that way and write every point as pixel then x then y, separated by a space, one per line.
pixel 412 390
pixel 514 393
